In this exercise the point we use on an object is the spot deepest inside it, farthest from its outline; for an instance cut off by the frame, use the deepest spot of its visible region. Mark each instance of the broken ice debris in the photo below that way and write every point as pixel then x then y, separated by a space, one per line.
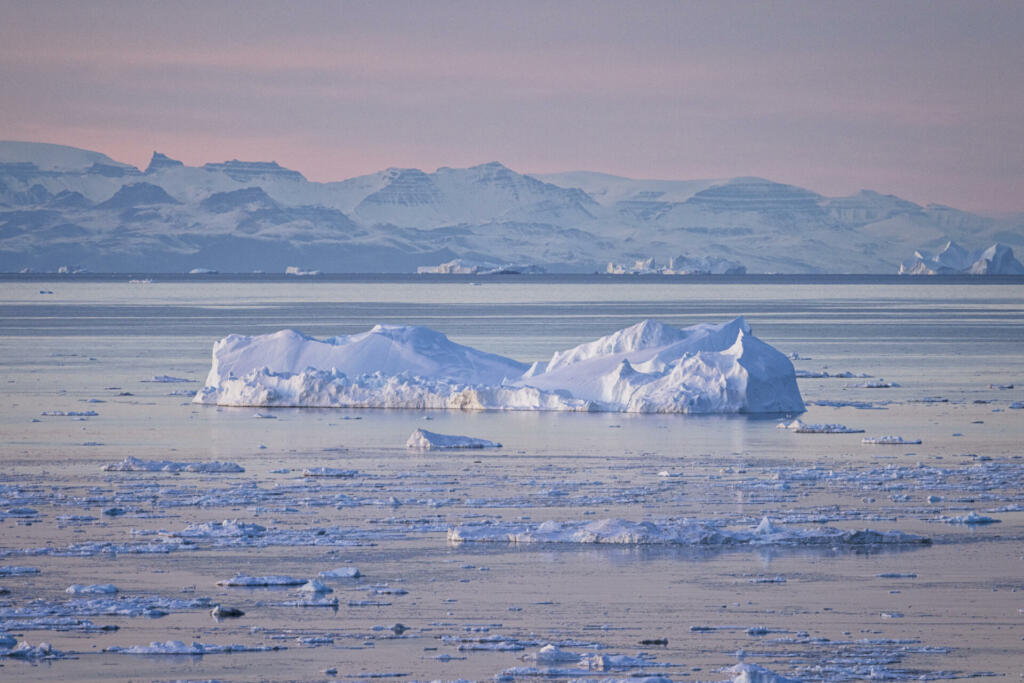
pixel 971 518
pixel 94 589
pixel 252 581
pixel 133 464
pixel 803 428
pixel 340 573
pixel 890 440
pixel 176 647
pixel 672 532
pixel 328 472
pixel 423 440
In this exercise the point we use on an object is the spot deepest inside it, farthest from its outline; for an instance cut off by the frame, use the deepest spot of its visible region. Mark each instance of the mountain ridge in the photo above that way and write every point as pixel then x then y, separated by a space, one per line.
pixel 245 215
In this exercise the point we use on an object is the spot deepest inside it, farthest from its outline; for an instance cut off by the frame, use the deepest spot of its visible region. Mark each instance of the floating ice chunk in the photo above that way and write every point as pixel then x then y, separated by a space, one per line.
pixel 971 517
pixel 26 651
pixel 890 440
pixel 552 654
pixel 315 587
pixel 94 589
pixel 176 647
pixel 222 612
pixel 69 413
pixel 745 672
pixel 241 580
pixel 423 440
pixel 167 379
pixel 340 573
pixel 671 532
pixel 1017 405
pixel 12 570
pixel 802 428
pixel 649 367
pixel 229 528
pixel 328 472
pixel 133 464
pixel 897 575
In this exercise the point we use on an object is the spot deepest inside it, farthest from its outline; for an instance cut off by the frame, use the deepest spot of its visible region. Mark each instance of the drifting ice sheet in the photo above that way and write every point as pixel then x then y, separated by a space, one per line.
pixel 646 368
pixel 673 532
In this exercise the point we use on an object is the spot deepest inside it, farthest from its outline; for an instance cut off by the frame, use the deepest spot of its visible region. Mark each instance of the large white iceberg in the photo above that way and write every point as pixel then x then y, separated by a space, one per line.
pixel 646 368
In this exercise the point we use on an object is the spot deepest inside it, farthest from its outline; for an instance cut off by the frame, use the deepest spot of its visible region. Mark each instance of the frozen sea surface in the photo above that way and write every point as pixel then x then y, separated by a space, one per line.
pixel 768 554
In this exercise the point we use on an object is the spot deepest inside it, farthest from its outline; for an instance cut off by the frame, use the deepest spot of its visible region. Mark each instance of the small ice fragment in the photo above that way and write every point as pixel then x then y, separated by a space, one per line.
pixel 341 573
pixel 890 440
pixel 971 518
pixel 315 587
pixel 328 472
pixel 265 416
pixel 94 589
pixel 273 580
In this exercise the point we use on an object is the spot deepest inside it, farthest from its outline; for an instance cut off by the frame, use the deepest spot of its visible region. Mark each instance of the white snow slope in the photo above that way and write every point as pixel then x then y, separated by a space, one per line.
pixel 646 368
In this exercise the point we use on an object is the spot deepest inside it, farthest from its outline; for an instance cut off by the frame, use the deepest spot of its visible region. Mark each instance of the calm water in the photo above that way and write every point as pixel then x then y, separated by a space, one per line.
pixel 945 344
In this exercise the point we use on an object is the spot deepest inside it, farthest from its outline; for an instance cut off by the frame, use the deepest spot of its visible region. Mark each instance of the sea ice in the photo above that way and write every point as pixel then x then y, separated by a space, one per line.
pixel 671 532
pixel 649 367
pixel 890 440
pixel 745 672
pixel 250 581
pixel 94 589
pixel 133 464
pixel 11 570
pixel 176 647
pixel 330 472
pixel 423 440
pixel 803 428
pixel 340 573
pixel 971 517
pixel 69 413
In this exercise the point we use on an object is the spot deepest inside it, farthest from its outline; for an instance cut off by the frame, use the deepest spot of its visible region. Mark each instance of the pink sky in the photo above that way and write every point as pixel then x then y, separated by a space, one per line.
pixel 920 99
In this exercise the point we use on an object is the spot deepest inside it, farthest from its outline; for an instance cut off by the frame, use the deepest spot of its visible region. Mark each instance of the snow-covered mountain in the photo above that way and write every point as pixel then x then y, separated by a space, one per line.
pixel 61 205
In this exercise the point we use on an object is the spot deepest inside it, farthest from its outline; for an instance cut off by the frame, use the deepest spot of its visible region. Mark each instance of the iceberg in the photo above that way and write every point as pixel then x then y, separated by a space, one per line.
pixel 648 367
pixel 421 439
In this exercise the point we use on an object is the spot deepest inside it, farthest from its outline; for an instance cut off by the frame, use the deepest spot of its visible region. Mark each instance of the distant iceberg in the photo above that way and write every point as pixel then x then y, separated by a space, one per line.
pixel 998 259
pixel 680 265
pixel 649 367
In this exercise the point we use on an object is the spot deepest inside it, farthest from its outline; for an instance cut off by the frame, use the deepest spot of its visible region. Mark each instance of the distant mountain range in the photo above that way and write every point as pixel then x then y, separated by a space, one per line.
pixel 62 206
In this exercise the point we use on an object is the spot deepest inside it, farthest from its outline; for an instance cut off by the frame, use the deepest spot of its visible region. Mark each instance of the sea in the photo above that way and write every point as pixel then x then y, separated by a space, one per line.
pixel 98 369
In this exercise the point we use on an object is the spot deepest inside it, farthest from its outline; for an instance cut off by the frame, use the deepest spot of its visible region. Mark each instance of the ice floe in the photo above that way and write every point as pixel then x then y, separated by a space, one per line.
pixel 745 672
pixel 649 367
pixel 970 518
pixel 421 439
pixel 803 428
pixel 890 440
pixel 671 532
pixel 177 647
pixel 69 413
pixel 241 580
pixel 93 589
pixel 12 570
pixel 330 472
pixel 133 464
pixel 340 573
pixel 167 379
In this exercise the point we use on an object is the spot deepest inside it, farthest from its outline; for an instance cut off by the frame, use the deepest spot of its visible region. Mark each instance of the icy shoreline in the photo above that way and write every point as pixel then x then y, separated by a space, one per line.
pixel 646 368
